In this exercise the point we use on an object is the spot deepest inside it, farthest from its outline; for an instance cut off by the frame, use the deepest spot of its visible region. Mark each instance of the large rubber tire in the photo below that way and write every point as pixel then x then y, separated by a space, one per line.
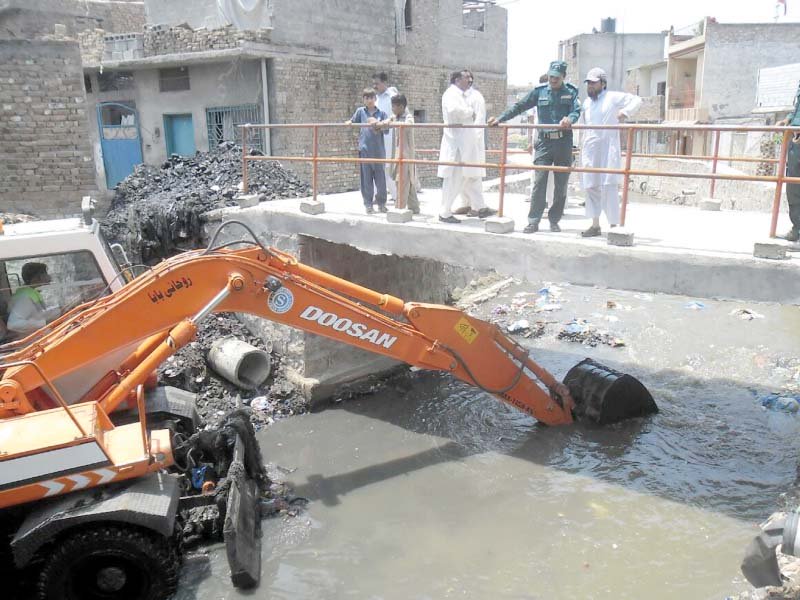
pixel 110 561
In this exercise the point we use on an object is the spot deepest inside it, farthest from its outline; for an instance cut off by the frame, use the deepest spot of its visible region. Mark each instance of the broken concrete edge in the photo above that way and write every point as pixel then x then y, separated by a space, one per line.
pixel 247 200
pixel 771 249
pixel 499 225
pixel 320 394
pixel 620 236
pixel 312 207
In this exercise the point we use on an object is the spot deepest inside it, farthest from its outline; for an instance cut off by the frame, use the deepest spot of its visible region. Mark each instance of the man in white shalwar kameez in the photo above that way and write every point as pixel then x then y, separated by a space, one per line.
pixel 601 148
pixel 473 186
pixel 460 145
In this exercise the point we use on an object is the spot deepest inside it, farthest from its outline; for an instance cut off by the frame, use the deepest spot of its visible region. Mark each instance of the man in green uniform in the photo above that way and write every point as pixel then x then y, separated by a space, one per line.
pixel 793 170
pixel 556 103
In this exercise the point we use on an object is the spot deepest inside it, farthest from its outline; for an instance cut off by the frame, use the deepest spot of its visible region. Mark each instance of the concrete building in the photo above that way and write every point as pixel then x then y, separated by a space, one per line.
pixel 178 76
pixel 712 76
pixel 200 68
pixel 615 52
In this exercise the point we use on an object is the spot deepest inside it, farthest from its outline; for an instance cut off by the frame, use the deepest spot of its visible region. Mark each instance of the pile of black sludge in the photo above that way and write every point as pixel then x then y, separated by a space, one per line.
pixel 157 211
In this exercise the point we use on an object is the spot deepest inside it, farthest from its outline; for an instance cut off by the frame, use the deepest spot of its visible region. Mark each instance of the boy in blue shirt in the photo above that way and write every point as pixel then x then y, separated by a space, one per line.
pixel 370 145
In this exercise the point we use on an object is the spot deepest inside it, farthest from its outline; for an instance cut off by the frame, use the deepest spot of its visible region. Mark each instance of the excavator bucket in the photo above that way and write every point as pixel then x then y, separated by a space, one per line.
pixel 603 395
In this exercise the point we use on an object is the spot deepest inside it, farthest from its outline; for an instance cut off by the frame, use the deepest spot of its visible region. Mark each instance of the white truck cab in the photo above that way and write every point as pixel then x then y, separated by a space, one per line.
pixel 79 263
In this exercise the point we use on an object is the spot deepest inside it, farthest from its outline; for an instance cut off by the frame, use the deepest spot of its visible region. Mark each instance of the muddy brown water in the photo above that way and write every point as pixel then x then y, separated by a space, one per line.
pixel 431 489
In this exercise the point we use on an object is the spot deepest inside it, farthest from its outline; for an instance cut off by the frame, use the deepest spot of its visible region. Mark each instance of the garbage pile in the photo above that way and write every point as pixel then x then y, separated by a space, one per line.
pixel 158 210
pixel 275 399
pixel 7 218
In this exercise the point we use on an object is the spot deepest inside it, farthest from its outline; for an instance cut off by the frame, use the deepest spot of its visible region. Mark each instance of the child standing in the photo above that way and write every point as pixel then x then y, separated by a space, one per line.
pixel 406 189
pixel 370 145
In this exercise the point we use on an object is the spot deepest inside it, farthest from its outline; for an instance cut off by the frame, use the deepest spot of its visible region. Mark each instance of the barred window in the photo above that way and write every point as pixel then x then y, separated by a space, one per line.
pixel 173 80
pixel 112 81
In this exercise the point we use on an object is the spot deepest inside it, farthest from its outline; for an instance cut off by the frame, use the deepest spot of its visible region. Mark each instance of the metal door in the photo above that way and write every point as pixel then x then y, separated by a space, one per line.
pixel 179 135
pixel 120 140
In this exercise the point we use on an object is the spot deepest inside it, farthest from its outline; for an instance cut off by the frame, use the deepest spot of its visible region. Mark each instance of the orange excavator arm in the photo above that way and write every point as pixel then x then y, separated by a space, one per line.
pixel 103 350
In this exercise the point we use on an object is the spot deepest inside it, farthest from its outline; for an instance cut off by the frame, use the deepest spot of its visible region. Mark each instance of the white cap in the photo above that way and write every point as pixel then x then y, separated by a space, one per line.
pixel 596 74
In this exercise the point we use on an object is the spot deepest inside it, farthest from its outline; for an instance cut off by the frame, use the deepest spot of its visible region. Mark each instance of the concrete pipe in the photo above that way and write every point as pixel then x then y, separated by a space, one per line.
pixel 240 363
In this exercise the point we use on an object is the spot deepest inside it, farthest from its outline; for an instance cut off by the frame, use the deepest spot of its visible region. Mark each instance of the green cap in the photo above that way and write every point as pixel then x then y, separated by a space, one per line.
pixel 558 68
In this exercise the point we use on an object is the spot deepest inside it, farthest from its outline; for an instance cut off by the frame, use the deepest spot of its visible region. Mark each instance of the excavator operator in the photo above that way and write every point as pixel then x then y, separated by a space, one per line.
pixel 27 311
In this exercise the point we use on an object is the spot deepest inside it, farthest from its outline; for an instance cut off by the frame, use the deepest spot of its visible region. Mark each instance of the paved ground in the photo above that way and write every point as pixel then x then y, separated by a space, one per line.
pixel 657 226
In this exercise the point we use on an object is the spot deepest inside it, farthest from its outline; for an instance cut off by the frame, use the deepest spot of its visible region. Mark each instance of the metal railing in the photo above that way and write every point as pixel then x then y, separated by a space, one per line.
pixel 503 166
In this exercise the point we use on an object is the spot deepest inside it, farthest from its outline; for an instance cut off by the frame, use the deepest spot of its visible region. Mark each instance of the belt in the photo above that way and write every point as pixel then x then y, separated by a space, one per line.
pixel 554 135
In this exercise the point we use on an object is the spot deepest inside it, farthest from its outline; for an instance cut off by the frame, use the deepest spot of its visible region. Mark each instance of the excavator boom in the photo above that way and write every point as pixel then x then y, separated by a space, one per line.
pixel 104 351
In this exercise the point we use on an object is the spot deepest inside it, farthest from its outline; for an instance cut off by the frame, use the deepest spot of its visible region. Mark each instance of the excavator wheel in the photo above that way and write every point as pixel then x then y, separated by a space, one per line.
pixel 604 396
pixel 110 561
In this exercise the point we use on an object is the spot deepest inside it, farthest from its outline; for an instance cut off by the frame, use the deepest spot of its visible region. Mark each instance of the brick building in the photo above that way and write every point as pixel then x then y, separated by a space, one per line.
pixel 46 158
pixel 291 61
pixel 177 76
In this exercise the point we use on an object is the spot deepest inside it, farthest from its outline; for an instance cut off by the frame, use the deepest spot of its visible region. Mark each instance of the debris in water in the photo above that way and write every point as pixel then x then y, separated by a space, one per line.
pixel 501 309
pixel 216 396
pixel 746 314
pixel 781 402
pixel 518 326
pixel 581 331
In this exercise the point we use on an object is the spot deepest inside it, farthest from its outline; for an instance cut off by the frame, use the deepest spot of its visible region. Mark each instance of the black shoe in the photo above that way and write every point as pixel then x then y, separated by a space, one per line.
pixel 554 227
pixel 450 219
pixel 486 212
pixel 591 232
pixel 531 227
pixel 415 211
pixel 382 208
pixel 370 210
pixel 793 235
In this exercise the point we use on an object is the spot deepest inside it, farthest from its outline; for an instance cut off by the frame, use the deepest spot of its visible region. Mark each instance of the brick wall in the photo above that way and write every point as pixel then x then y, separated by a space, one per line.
pixel 306 91
pixel 175 40
pixel 33 19
pixel 46 162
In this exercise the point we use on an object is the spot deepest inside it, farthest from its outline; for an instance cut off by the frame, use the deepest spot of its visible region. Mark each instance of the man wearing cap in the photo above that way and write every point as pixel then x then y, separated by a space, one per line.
pixel 793 170
pixel 600 149
pixel 556 104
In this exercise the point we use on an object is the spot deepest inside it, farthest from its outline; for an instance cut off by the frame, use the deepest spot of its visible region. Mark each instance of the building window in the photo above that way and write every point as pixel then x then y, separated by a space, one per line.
pixel 420 116
pixel 223 125
pixel 474 15
pixel 407 14
pixel 661 88
pixel 113 81
pixel 574 49
pixel 173 80
pixel 87 84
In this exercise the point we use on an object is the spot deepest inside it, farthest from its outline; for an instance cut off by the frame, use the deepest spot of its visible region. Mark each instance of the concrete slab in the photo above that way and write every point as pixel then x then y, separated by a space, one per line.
pixel 770 250
pixel 499 225
pixel 710 204
pixel 619 236
pixel 679 249
pixel 312 207
pixel 399 216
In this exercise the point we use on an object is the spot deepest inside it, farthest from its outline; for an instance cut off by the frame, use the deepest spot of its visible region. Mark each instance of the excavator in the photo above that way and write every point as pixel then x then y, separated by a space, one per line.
pixel 94 480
